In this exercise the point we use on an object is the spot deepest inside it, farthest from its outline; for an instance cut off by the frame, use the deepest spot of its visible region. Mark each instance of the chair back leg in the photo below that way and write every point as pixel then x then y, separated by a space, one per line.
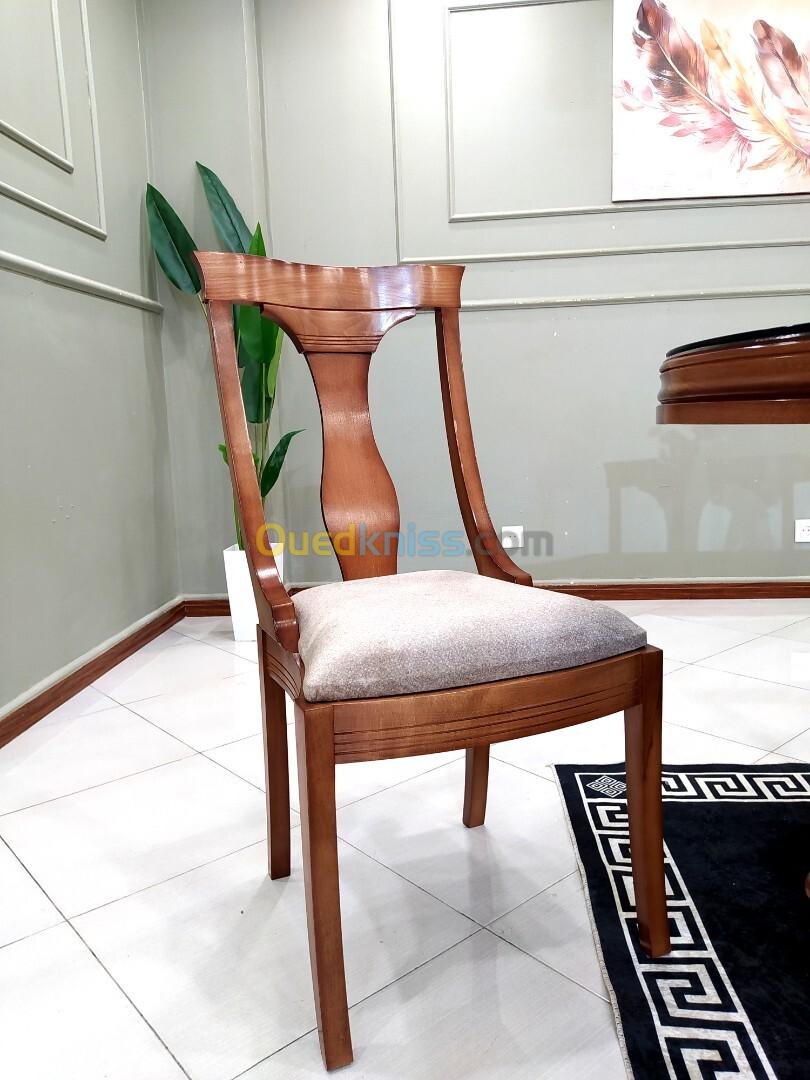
pixel 276 769
pixel 642 727
pixel 476 780
pixel 314 731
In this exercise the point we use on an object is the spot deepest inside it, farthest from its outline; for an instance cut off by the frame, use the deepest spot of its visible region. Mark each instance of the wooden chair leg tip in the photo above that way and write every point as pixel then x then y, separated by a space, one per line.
pixel 338 1059
pixel 659 947
pixel 340 1064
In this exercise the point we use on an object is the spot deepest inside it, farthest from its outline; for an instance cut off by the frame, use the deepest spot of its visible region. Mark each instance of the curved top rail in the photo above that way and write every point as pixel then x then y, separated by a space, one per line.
pixel 251 279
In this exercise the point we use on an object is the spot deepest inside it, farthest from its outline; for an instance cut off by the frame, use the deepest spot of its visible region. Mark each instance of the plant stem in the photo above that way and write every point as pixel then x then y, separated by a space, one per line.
pixel 239 541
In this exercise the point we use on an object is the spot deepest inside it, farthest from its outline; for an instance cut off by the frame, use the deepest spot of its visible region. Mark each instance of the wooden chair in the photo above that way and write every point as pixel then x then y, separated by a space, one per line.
pixel 337 316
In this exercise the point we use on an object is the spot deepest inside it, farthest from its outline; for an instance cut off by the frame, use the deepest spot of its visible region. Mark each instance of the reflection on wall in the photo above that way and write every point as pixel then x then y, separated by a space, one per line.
pixel 714 512
pixel 498 154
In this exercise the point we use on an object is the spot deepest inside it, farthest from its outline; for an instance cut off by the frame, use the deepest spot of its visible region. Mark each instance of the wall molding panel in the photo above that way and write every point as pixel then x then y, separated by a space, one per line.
pixel 257 119
pixel 589 253
pixel 93 106
pixel 15 264
pixel 60 74
pixel 35 147
pixel 460 9
pixel 52 211
pixel 630 208
pixel 61 160
pixel 38 192
pixel 431 218
pixel 561 211
pixel 612 299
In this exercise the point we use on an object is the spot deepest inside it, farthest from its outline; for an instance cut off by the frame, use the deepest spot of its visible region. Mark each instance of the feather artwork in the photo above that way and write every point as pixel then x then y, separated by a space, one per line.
pixel 746 97
pixel 786 71
pixel 787 74
pixel 678 71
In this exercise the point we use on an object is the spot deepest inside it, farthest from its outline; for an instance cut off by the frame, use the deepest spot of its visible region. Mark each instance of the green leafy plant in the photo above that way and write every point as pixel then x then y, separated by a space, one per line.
pixel 258 339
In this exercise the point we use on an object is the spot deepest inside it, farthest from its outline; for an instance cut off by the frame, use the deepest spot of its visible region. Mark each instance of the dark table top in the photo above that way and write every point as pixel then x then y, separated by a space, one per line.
pixel 756 377
pixel 749 337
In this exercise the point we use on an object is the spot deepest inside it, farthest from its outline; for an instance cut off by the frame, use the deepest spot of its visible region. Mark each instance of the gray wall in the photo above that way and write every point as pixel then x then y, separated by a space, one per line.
pixel 204 103
pixel 563 384
pixel 87 545
pixel 113 498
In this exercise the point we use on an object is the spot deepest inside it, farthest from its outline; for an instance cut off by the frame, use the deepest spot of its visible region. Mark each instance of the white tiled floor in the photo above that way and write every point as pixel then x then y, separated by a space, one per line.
pixel 140 933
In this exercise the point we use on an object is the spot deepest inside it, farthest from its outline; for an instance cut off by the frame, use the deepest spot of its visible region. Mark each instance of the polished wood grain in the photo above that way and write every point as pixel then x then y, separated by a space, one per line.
pixel 274 606
pixel 489 555
pixel 642 726
pixel 329 288
pixel 476 780
pixel 316 793
pixel 335 332
pixel 371 729
pixel 757 378
pixel 276 771
pixel 337 316
pixel 356 488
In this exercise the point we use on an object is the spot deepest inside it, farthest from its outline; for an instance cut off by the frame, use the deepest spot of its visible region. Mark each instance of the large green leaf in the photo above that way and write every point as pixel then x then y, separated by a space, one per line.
pixel 223 449
pixel 258 404
pixel 250 335
pixel 247 319
pixel 172 242
pixel 256 245
pixel 259 378
pixel 241 356
pixel 274 339
pixel 228 221
pixel 250 317
pixel 260 341
pixel 272 466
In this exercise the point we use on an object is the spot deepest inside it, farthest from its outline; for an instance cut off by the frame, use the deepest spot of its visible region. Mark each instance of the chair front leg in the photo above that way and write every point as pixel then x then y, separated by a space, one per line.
pixel 276 769
pixel 476 780
pixel 642 728
pixel 314 732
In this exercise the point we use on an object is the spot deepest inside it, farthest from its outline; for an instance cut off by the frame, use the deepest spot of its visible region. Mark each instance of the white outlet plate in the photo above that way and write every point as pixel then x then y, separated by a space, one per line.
pixel 801 534
pixel 512 536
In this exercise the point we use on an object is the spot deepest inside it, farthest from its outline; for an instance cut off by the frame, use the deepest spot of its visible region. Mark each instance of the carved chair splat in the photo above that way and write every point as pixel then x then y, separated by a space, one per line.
pixel 337 317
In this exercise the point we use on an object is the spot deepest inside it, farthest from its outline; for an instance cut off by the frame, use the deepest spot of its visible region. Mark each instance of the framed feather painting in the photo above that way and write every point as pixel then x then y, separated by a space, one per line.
pixel 711 98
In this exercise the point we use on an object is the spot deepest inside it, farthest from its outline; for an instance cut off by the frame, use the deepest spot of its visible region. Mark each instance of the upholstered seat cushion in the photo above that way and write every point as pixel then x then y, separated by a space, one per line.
pixel 376 637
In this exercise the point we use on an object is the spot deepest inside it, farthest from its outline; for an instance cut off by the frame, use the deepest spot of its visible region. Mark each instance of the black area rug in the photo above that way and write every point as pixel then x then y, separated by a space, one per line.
pixel 733 997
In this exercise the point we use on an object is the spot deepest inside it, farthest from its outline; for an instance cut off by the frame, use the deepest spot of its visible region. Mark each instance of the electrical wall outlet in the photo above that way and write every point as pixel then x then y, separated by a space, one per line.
pixel 512 536
pixel 802 531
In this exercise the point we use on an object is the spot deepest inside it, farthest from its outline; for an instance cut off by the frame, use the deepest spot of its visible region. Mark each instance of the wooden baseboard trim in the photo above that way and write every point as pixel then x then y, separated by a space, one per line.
pixel 203 606
pixel 611 590
pixel 24 717
pixel 684 590
pixel 658 590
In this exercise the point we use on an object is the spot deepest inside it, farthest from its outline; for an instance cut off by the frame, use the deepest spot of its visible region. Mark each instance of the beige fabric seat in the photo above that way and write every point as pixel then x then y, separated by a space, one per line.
pixel 407 633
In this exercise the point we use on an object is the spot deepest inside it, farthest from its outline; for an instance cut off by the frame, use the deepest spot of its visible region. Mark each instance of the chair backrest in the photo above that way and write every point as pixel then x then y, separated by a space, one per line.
pixel 337 316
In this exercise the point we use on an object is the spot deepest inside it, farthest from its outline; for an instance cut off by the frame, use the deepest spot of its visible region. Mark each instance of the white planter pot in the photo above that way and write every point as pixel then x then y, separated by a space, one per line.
pixel 240 590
